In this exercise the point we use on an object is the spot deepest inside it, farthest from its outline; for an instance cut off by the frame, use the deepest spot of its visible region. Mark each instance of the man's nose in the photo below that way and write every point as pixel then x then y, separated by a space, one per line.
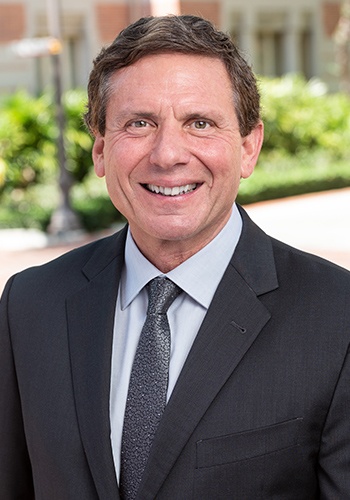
pixel 170 147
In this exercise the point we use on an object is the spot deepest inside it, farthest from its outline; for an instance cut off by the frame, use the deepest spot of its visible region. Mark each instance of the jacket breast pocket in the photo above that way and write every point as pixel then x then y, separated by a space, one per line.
pixel 248 444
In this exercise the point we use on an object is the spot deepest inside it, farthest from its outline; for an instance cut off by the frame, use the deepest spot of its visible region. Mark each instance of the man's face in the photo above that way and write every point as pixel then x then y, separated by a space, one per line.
pixel 172 153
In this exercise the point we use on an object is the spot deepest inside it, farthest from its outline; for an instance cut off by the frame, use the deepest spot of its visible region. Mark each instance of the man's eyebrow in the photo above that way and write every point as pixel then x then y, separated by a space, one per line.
pixel 130 114
pixel 126 115
pixel 198 116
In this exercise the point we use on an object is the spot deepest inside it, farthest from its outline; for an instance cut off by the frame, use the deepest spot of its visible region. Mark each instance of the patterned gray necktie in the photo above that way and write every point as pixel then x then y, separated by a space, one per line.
pixel 148 386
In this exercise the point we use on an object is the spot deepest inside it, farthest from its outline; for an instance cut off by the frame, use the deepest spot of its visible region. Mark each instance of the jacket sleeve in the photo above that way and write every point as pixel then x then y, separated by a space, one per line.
pixel 334 457
pixel 15 469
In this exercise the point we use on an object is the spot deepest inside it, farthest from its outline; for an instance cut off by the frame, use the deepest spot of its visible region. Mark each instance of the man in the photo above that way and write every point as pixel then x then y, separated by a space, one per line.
pixel 258 389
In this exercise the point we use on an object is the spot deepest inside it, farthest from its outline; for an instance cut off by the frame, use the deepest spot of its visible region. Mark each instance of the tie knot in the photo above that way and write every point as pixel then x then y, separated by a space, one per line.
pixel 161 294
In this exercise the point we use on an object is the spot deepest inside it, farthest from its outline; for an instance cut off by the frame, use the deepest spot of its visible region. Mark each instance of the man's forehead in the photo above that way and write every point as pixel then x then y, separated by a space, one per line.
pixel 188 77
pixel 184 86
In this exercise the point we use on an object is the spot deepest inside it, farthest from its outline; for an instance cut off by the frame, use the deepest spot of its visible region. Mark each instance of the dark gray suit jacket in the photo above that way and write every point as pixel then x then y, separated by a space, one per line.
pixel 261 409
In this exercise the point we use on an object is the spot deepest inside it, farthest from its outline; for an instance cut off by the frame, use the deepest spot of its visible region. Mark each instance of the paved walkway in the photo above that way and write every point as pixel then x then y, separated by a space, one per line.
pixel 317 223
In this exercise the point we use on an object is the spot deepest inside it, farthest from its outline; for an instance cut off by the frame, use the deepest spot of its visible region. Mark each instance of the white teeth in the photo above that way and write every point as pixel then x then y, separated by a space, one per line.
pixel 175 191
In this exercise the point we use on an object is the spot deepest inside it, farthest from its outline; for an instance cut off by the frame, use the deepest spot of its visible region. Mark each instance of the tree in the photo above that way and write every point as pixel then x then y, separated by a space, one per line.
pixel 342 41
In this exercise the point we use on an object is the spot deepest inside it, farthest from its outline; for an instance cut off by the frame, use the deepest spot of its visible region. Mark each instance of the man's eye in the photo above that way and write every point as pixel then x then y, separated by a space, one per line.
pixel 201 124
pixel 139 124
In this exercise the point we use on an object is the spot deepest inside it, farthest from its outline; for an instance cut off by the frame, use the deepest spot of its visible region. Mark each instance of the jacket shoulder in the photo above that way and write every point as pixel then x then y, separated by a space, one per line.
pixel 295 264
pixel 72 269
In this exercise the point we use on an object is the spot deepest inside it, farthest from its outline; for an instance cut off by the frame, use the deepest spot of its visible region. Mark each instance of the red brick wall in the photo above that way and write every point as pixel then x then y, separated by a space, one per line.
pixel 208 10
pixel 12 22
pixel 111 19
pixel 331 15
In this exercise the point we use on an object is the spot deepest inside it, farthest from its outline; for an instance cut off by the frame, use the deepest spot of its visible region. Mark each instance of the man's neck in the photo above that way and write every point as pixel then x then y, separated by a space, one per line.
pixel 165 255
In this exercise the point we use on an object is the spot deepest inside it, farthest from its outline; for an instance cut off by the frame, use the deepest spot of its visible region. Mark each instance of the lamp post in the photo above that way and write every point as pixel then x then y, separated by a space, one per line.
pixel 63 219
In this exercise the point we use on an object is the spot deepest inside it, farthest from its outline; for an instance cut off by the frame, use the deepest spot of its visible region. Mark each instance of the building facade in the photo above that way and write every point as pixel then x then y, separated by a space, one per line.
pixel 277 36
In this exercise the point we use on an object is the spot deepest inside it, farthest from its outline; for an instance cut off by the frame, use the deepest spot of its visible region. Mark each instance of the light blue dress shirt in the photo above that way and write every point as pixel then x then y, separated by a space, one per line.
pixel 198 277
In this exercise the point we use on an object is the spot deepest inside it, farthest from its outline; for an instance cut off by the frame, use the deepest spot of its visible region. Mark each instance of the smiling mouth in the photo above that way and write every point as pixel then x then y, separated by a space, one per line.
pixel 171 191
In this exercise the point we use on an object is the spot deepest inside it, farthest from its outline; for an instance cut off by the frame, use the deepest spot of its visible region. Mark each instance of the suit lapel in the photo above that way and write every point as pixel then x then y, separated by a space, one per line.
pixel 233 321
pixel 90 315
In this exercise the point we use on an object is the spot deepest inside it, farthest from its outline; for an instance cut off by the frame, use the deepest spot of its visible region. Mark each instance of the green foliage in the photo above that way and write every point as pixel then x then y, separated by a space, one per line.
pixel 93 205
pixel 306 147
pixel 28 135
pixel 301 116
pixel 78 141
pixel 26 140
pixel 289 176
pixel 29 208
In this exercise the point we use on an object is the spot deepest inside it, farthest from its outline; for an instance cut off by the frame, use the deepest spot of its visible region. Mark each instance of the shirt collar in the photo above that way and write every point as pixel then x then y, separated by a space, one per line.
pixel 198 276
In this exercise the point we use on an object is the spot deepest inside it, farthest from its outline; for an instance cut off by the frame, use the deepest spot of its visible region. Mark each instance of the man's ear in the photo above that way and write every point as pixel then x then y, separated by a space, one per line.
pixel 98 155
pixel 251 146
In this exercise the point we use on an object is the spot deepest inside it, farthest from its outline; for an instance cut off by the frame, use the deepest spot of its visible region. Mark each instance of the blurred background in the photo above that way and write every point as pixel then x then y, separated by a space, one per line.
pixel 278 36
pixel 300 52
